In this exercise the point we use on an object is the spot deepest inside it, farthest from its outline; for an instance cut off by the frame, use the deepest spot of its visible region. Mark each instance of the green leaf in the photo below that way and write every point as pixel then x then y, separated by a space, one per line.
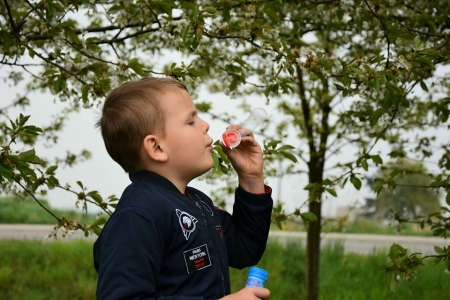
pixel 49 12
pixel 447 198
pixel 356 181
pixel 95 196
pixel 115 8
pixel 346 80
pixel 32 130
pixel 233 69
pixel 164 7
pixel 27 156
pixel 273 144
pixel 51 170
pixel 418 45
pixel 396 251
pixel 289 156
pixel 216 160
pixel 332 192
pixel 195 73
pixel 96 229
pixel 357 71
pixel 6 172
pixel 31 53
pixel 438 249
pixel 85 90
pixel 178 72
pixel 364 165
pixel 377 159
pixel 72 35
pixel 423 85
pixel 426 61
pixel 59 84
pixel 376 83
pixel 309 186
pixel 210 9
pixel 99 221
pixel 136 66
pixel 286 147
pixel 184 33
pixel 35 185
pixel 308 216
pixel 50 72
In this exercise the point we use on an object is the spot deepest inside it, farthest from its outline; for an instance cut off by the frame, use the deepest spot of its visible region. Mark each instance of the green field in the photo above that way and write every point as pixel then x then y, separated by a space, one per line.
pixel 64 270
pixel 27 211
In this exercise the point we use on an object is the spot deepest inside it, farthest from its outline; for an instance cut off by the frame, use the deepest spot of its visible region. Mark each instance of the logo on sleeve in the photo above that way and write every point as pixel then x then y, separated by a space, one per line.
pixel 197 258
pixel 187 222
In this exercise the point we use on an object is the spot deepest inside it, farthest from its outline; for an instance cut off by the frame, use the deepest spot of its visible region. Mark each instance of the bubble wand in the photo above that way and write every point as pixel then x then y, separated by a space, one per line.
pixel 232 138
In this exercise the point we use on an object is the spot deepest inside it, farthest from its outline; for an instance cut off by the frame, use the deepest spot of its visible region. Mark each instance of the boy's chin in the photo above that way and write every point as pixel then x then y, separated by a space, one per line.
pixel 206 171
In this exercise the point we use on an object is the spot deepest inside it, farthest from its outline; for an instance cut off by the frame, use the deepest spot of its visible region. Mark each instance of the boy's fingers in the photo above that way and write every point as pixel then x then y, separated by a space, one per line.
pixel 261 293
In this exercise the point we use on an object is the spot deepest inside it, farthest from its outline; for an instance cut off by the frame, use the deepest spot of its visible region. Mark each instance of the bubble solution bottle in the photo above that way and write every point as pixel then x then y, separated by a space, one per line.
pixel 256 277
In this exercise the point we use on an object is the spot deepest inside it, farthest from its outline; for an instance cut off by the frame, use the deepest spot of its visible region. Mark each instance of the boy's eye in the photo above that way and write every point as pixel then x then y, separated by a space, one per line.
pixel 191 122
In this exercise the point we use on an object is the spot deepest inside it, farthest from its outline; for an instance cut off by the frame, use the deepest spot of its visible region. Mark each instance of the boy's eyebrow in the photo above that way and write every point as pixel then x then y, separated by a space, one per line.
pixel 193 113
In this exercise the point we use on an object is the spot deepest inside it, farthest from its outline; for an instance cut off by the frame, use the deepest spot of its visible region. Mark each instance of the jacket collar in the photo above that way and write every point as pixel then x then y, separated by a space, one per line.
pixel 154 178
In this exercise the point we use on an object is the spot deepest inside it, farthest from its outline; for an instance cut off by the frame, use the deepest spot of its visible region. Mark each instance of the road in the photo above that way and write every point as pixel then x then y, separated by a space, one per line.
pixel 357 243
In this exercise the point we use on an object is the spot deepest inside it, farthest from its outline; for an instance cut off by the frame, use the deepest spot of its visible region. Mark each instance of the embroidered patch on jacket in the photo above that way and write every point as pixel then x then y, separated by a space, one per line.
pixel 187 222
pixel 197 258
pixel 219 230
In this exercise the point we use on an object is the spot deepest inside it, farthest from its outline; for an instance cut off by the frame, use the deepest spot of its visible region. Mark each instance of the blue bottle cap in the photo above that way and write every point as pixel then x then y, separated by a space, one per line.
pixel 256 277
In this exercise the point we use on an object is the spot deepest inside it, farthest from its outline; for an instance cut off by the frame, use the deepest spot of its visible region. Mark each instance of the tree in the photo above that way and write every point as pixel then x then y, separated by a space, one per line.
pixel 345 75
pixel 406 195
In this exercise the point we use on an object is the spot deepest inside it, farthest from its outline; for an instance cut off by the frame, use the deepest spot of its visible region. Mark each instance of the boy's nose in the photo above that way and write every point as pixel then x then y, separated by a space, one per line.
pixel 207 126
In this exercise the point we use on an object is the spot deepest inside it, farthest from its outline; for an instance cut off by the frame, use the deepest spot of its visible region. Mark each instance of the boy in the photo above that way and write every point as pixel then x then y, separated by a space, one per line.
pixel 166 240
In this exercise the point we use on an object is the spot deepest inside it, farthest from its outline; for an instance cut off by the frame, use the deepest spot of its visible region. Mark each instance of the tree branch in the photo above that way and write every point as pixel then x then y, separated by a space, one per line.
pixel 237 37
pixel 384 33
pixel 305 111
pixel 11 20
pixel 38 202
pixel 47 60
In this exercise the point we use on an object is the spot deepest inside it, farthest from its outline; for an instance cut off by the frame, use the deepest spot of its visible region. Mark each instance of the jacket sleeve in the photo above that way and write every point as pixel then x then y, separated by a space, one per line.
pixel 247 230
pixel 128 257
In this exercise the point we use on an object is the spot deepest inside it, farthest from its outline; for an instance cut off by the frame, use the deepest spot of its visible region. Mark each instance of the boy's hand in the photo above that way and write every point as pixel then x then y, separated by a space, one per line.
pixel 247 160
pixel 250 293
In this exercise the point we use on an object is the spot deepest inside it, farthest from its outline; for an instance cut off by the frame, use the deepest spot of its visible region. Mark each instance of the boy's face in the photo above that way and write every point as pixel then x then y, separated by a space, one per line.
pixel 187 142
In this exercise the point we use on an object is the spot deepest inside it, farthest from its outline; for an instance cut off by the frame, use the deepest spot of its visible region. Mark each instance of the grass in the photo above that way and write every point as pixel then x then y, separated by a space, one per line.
pixel 27 211
pixel 53 270
pixel 64 270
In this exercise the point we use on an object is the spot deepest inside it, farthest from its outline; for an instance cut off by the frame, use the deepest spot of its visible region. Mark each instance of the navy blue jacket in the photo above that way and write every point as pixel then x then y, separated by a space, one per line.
pixel 162 244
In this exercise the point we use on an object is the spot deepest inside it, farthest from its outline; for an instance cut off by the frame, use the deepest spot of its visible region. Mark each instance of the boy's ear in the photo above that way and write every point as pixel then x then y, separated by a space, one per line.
pixel 153 148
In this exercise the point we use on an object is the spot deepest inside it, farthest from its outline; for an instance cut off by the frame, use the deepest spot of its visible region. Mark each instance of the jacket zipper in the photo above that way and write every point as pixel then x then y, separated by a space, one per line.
pixel 199 206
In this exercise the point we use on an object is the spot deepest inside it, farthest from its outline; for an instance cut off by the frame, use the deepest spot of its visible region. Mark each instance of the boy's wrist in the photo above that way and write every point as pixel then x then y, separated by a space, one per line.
pixel 252 184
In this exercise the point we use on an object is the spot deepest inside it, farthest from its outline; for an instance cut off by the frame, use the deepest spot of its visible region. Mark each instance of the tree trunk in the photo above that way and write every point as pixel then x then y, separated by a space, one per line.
pixel 313 238
pixel 313 253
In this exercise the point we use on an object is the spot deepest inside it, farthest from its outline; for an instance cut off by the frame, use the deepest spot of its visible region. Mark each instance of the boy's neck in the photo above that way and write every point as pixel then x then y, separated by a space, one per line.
pixel 178 183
